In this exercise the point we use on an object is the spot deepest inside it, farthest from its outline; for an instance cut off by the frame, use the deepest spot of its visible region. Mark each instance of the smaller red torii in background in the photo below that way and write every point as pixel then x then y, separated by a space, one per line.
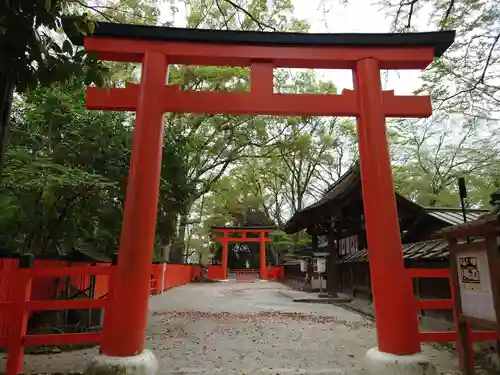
pixel 262 239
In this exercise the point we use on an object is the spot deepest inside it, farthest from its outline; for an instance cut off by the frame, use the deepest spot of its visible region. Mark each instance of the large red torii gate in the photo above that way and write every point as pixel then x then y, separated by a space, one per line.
pixel 262 239
pixel 364 54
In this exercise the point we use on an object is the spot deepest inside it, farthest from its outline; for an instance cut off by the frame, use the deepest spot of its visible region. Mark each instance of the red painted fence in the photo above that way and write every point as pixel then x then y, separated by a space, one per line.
pixel 166 276
pixel 215 272
pixel 246 275
pixel 28 294
pixel 449 304
pixel 276 273
pixel 44 288
pixel 25 289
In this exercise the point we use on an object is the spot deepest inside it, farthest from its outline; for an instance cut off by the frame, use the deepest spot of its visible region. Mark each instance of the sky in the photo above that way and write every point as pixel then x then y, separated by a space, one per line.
pixel 360 16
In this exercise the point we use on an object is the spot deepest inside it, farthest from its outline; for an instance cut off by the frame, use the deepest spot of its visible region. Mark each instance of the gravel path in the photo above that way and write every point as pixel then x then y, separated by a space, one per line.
pixel 246 328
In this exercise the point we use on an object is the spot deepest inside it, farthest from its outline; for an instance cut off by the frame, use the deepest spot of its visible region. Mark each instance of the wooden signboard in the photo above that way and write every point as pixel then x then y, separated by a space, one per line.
pixel 475 266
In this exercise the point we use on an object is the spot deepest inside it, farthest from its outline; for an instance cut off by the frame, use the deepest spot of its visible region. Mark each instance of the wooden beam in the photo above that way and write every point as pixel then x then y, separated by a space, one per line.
pixel 307 57
pixel 253 103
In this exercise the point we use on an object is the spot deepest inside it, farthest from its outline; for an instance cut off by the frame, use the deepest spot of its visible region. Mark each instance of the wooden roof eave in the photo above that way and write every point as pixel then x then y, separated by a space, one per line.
pixel 481 227
pixel 329 206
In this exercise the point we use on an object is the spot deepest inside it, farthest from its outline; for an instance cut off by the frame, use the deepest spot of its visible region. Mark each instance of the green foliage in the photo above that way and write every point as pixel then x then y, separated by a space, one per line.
pixel 34 45
pixel 438 154
pixel 461 139
pixel 243 15
pixel 34 37
pixel 66 171
pixel 465 80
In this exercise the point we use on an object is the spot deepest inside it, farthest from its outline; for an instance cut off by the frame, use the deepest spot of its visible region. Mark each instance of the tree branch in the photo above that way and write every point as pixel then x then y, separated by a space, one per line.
pixel 259 23
pixel 448 13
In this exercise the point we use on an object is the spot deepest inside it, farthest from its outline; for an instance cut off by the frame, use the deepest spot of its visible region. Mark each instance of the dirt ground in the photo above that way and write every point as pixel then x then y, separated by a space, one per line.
pixel 246 328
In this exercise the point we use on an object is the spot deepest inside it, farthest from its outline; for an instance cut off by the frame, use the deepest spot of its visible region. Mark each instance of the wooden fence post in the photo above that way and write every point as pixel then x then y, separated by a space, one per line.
pixel 163 275
pixel 109 297
pixel 19 315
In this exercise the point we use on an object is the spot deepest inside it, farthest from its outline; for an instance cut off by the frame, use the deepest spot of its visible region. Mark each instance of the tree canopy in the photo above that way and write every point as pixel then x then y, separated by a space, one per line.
pixel 66 172
pixel 66 168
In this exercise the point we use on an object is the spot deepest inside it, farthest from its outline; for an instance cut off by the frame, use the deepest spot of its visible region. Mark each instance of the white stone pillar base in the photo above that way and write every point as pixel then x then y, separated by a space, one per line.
pixel 380 363
pixel 265 281
pixel 141 364
pixel 224 280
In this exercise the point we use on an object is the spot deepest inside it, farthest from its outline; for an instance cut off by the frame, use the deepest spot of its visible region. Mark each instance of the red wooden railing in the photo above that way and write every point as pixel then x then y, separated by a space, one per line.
pixel 215 272
pixel 276 273
pixel 23 302
pixel 447 304
pixel 44 288
pixel 26 288
pixel 245 275
pixel 166 276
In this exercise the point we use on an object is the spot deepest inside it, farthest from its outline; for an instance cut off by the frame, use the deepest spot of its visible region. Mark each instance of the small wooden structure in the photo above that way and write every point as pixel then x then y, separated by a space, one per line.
pixel 475 269
pixel 338 217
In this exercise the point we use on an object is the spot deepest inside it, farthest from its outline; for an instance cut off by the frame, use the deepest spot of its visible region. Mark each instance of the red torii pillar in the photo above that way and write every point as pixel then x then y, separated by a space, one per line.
pixel 263 257
pixel 123 334
pixel 365 54
pixel 262 239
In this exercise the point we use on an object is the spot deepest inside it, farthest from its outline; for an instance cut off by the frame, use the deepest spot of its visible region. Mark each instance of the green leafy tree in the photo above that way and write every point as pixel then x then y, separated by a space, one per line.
pixel 36 48
pixel 465 80
pixel 243 15
pixel 460 139
pixel 215 143
pixel 438 156
pixel 66 172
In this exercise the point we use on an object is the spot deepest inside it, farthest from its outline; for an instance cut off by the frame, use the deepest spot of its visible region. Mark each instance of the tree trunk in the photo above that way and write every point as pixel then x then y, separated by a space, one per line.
pixel 7 86
pixel 178 245
pixel 275 253
pixel 177 250
pixel 166 252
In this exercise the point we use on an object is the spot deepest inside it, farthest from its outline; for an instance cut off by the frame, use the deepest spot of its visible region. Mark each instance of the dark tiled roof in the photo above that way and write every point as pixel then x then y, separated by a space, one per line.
pixel 454 216
pixel 487 224
pixel 341 187
pixel 426 250
pixel 335 193
pixel 347 186
pixel 440 41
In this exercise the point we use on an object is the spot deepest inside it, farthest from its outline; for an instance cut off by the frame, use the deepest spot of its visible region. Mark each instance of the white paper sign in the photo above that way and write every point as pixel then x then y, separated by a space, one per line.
pixel 303 265
pixel 475 285
pixel 321 264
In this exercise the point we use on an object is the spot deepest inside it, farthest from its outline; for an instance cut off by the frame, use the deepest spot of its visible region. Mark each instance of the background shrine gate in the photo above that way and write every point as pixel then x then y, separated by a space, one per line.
pixel 225 240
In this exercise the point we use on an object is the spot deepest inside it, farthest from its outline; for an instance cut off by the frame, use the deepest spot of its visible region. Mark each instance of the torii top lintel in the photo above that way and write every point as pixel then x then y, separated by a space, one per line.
pixel 125 42
pixel 244 229
pixel 262 52
pixel 261 230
